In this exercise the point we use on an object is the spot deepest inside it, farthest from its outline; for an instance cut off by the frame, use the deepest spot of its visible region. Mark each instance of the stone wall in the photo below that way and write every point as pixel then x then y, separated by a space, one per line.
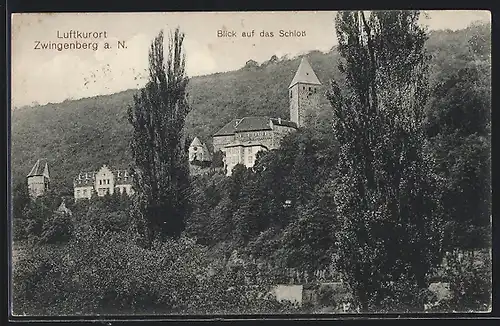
pixel 220 141
pixel 37 185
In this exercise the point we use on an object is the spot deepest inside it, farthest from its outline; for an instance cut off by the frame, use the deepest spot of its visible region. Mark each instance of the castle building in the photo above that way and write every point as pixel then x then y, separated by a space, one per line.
pixel 198 151
pixel 102 182
pixel 38 179
pixel 241 139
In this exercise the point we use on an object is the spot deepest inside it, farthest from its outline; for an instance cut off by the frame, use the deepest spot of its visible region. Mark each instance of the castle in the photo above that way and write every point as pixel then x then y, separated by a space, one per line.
pixel 241 139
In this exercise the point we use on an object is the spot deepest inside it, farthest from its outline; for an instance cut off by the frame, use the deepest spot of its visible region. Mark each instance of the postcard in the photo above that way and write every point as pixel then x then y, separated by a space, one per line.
pixel 250 163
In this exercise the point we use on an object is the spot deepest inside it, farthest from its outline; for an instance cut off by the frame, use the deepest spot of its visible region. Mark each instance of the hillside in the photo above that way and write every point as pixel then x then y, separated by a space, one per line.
pixel 84 134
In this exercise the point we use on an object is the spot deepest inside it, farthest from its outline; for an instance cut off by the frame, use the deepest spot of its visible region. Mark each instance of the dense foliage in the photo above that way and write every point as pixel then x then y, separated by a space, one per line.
pixel 385 185
pixel 100 269
pixel 160 165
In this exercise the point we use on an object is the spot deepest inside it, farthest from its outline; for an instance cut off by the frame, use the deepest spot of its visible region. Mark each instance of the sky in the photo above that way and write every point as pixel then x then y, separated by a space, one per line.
pixel 41 76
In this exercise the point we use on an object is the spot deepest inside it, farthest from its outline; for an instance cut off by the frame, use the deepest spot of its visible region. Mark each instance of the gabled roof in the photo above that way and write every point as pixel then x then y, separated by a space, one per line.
pixel 195 142
pixel 228 129
pixel 122 177
pixel 208 155
pixel 84 179
pixel 105 168
pixel 253 124
pixel 245 124
pixel 41 168
pixel 305 74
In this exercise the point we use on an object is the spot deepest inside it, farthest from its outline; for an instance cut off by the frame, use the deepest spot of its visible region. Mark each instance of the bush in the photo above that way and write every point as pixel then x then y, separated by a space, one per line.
pixel 58 229
pixel 469 275
pixel 98 272
pixel 326 297
pixel 24 229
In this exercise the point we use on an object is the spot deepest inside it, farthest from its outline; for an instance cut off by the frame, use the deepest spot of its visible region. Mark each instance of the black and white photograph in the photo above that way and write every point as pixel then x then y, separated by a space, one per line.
pixel 250 163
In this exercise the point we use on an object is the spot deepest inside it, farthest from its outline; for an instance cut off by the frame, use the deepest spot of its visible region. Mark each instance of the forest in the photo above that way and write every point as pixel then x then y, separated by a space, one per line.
pixel 297 214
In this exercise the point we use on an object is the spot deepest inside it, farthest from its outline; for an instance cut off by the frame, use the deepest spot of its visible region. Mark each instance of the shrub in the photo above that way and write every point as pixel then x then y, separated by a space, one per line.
pixel 98 272
pixel 470 281
pixel 57 229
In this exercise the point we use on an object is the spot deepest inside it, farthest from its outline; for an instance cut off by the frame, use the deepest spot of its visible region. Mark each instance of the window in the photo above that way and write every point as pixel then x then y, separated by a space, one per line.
pixel 290 94
pixel 100 182
pixel 108 181
pixel 310 89
pixel 84 191
pixel 78 192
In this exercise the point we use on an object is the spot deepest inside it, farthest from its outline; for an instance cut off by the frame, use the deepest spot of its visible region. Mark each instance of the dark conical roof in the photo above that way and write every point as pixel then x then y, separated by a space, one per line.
pixel 305 74
pixel 41 167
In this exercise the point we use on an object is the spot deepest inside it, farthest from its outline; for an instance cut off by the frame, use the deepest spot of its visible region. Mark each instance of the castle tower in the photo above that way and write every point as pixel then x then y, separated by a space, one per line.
pixel 38 179
pixel 303 92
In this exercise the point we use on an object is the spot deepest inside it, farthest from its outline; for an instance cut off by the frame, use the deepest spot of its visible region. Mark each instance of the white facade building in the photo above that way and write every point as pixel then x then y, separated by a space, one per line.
pixel 104 181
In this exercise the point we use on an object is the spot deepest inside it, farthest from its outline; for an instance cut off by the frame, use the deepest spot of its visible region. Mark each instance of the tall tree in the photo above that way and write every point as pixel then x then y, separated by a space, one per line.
pixel 389 234
pixel 161 171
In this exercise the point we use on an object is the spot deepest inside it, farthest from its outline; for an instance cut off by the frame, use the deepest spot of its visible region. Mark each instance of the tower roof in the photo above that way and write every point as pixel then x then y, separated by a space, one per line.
pixel 63 209
pixel 41 168
pixel 195 142
pixel 305 74
pixel 207 156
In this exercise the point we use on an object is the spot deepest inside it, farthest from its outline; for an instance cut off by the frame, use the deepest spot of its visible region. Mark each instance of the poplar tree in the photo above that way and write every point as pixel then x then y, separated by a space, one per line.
pixel 161 171
pixel 390 219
